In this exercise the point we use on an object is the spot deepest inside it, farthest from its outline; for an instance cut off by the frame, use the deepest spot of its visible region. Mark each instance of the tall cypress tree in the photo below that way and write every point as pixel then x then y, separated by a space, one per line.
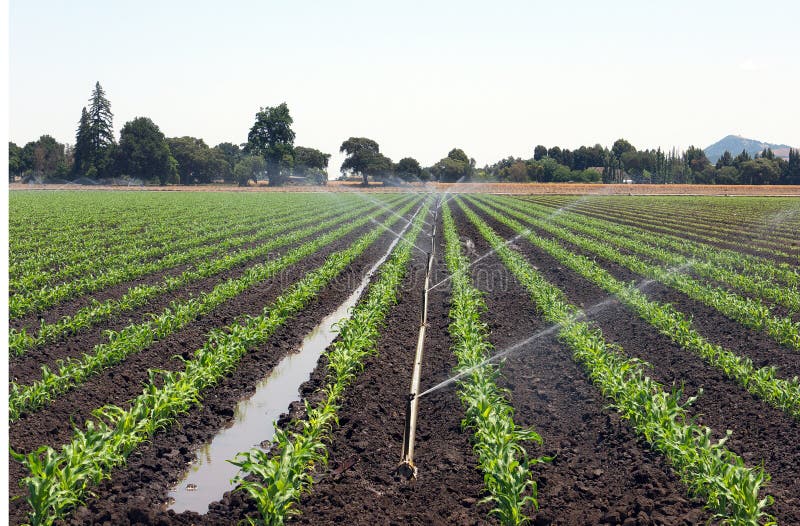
pixel 101 129
pixel 83 151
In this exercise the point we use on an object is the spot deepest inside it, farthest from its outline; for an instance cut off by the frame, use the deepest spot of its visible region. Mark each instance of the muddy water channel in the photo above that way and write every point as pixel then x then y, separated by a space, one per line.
pixel 210 474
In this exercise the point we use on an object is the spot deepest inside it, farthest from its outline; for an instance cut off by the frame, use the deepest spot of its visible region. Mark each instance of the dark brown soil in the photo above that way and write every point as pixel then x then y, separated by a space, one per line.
pixel 27 368
pixel 745 243
pixel 712 324
pixel 760 432
pixel 121 383
pixel 601 472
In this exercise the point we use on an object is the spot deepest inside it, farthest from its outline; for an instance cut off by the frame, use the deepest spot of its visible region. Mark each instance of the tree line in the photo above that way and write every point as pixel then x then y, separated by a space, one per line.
pixel 624 163
pixel 144 153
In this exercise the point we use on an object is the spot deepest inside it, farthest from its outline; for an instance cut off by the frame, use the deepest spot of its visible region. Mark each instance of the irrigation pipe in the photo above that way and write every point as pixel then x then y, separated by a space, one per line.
pixel 407 467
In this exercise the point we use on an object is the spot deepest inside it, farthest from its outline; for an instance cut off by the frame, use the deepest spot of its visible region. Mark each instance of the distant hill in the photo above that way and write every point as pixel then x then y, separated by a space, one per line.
pixel 735 145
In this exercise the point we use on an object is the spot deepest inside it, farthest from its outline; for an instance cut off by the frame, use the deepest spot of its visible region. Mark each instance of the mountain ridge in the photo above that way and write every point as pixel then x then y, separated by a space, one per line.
pixel 736 143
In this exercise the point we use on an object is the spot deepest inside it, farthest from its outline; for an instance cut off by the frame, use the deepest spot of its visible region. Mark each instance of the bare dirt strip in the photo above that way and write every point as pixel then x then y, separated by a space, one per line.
pixel 472 187
pixel 760 432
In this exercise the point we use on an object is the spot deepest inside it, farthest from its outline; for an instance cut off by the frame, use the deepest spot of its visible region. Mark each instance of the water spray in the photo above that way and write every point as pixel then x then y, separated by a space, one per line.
pixel 406 468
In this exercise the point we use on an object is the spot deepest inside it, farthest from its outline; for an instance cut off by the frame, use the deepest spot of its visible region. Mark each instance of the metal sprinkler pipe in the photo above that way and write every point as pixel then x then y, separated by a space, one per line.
pixel 407 467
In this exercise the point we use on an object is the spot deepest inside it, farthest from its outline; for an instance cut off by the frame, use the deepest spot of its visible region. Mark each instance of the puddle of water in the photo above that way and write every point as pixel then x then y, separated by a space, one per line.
pixel 210 474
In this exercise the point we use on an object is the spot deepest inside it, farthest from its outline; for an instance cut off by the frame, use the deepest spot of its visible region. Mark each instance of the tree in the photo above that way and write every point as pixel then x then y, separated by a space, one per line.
pixel 311 164
pixel 696 159
pixel 793 167
pixel 143 152
pixel 726 159
pixel 15 162
pixel 540 152
pixel 621 146
pixel 408 169
pixel 272 137
pixel 760 171
pixel 518 172
pixel 250 167
pixel 100 132
pixel 84 154
pixel 364 159
pixel 45 158
pixel 194 159
pixel 556 154
pixel 456 167
pixel 231 154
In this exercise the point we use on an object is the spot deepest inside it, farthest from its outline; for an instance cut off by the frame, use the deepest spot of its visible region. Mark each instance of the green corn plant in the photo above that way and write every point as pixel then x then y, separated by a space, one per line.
pixel 655 414
pixel 277 479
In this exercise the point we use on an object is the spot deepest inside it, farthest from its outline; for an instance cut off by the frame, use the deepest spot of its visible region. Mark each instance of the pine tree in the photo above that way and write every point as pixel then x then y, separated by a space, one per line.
pixel 101 129
pixel 83 152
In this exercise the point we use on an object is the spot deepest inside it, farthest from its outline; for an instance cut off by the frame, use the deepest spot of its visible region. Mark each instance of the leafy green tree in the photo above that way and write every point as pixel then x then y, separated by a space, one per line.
pixel 696 159
pixel 272 137
pixel 539 153
pixel 15 162
pixel 518 172
pixel 305 158
pixel 760 171
pixel 249 167
pixel 311 164
pixel 727 175
pixel 588 157
pixel 456 167
pixel 364 159
pixel 194 159
pixel 408 169
pixel 100 132
pixel 45 158
pixel 143 153
pixel 621 146
pixel 556 154
pixel 231 154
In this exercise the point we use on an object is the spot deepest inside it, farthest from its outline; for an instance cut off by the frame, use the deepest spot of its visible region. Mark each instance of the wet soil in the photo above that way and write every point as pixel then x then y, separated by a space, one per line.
pixel 121 383
pixel 601 472
pixel 761 433
pixel 27 368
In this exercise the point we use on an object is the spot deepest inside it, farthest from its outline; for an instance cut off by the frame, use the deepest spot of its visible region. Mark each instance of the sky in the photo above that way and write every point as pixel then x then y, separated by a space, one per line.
pixel 420 78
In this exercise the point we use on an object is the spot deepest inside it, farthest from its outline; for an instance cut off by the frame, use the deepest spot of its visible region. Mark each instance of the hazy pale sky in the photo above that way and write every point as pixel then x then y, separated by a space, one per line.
pixel 494 78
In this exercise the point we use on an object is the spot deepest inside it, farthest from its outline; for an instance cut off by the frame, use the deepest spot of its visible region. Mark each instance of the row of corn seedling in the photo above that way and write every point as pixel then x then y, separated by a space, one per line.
pixel 24 399
pixel 497 440
pixel 748 264
pixel 59 480
pixel 278 478
pixel 233 231
pixel 749 312
pixel 763 382
pixel 709 470
pixel 710 234
pixel 788 296
pixel 47 296
pixel 20 341
pixel 70 235
pixel 737 217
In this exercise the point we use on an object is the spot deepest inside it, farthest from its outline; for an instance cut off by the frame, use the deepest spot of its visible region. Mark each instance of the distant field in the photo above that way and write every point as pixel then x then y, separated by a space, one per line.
pixel 638 330
pixel 494 188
